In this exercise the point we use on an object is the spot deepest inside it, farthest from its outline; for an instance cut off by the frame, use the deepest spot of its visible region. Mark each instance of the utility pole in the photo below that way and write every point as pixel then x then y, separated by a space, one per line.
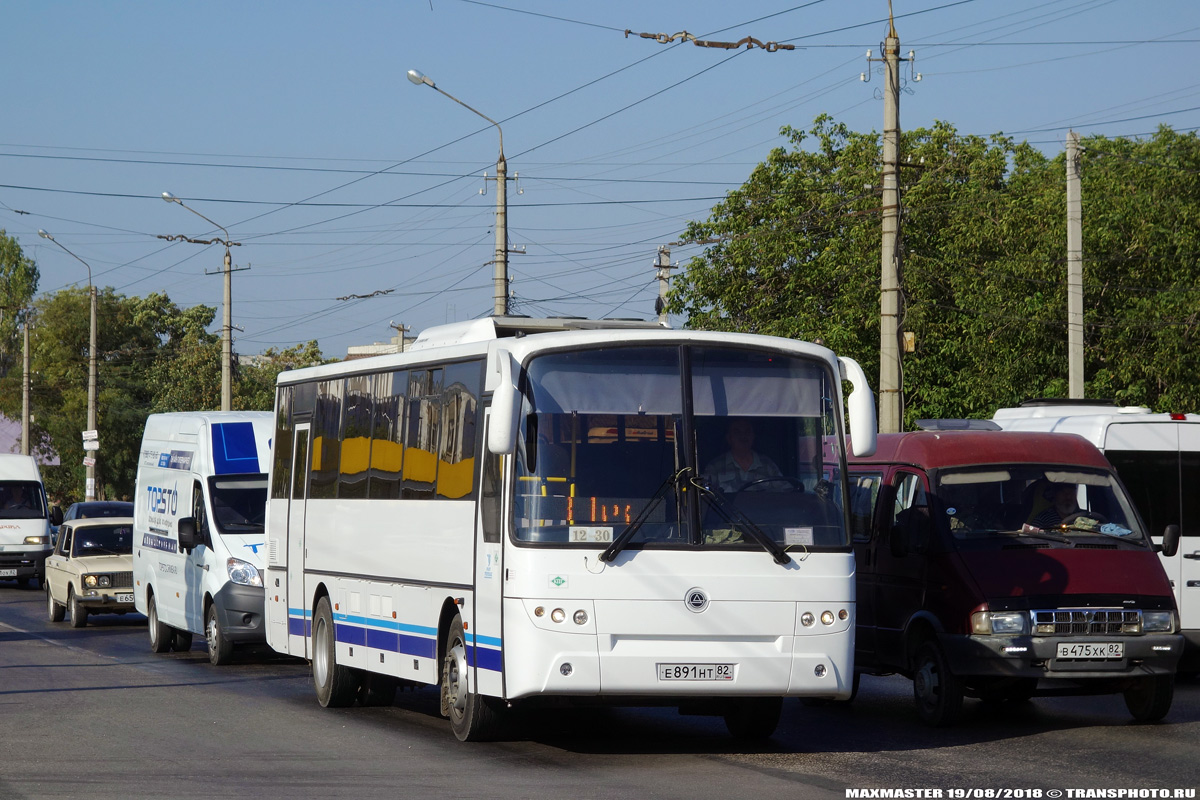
pixel 25 391
pixel 1075 385
pixel 891 389
pixel 663 274
pixel 401 329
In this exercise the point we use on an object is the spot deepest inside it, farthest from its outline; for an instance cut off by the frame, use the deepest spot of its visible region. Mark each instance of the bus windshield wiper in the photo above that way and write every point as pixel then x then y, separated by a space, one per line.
pixel 626 536
pixel 734 516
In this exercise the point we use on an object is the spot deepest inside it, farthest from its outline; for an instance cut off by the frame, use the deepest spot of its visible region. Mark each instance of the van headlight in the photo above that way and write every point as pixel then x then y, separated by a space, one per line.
pixel 1005 623
pixel 243 572
pixel 1158 621
pixel 37 539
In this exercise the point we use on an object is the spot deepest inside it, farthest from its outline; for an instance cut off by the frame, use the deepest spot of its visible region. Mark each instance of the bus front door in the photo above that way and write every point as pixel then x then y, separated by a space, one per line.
pixel 299 614
pixel 486 645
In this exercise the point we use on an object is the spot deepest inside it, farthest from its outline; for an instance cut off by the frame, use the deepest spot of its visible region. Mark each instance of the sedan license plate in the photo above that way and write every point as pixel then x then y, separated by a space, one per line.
pixel 1091 651
pixel 8 573
pixel 695 672
pixel 125 598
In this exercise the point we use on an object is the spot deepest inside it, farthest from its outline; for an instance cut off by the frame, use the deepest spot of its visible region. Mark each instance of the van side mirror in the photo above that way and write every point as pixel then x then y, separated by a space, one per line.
pixel 1170 542
pixel 187 534
pixel 56 515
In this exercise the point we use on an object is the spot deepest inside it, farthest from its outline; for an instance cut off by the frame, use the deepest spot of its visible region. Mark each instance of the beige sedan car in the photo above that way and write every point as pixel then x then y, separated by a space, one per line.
pixel 91 569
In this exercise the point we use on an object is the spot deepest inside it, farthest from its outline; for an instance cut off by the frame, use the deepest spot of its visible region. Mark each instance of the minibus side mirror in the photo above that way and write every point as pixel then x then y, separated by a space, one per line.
pixel 1170 542
pixel 187 534
pixel 56 516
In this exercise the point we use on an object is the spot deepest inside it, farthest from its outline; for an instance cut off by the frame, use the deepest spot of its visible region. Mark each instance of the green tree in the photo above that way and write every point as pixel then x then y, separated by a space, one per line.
pixel 795 252
pixel 18 283
pixel 254 389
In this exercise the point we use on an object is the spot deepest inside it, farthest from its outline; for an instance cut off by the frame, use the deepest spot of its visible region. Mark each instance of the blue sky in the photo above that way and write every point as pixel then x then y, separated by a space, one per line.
pixel 293 126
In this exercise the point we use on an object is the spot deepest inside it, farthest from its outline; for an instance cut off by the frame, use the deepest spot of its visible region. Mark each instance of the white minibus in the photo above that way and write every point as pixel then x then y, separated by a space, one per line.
pixel 24 520
pixel 520 511
pixel 198 529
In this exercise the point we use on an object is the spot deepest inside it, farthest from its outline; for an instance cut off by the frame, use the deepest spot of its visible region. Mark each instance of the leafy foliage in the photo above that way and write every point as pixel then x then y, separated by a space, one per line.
pixel 795 252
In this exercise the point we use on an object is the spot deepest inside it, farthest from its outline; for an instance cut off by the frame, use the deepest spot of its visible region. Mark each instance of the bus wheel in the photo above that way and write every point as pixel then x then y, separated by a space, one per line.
pixel 160 634
pixel 79 614
pixel 473 718
pixel 336 685
pixel 753 717
pixel 54 609
pixel 220 649
pixel 1149 699
pixel 937 691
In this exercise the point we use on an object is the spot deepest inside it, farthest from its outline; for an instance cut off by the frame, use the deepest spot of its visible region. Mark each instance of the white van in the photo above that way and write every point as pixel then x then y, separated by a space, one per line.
pixel 24 521
pixel 198 528
pixel 1157 457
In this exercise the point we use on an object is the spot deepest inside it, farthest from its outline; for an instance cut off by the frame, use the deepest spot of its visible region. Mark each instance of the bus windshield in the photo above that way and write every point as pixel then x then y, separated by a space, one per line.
pixel 986 506
pixel 605 445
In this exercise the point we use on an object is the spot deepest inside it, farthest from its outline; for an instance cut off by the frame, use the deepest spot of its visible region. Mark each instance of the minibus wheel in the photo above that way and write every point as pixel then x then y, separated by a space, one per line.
pixel 1149 699
pixel 336 685
pixel 54 609
pixel 473 718
pixel 160 634
pixel 220 649
pixel 937 691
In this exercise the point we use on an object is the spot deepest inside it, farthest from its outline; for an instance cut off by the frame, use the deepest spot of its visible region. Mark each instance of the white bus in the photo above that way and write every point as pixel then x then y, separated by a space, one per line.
pixel 518 510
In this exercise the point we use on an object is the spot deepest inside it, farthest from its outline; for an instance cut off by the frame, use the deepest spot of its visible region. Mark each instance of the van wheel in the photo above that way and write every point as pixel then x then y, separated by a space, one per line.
pixel 938 692
pixel 220 649
pixel 79 614
pixel 55 610
pixel 181 641
pixel 160 634
pixel 1149 699
pixel 753 718
pixel 473 717
pixel 336 685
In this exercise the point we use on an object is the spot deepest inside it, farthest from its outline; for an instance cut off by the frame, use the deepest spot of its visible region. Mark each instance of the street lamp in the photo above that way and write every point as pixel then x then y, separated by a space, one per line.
pixel 227 320
pixel 500 275
pixel 90 487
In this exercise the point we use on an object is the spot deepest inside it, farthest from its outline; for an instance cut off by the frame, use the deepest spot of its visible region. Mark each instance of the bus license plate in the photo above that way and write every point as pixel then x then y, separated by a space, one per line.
pixel 8 573
pixel 1091 650
pixel 695 672
pixel 125 598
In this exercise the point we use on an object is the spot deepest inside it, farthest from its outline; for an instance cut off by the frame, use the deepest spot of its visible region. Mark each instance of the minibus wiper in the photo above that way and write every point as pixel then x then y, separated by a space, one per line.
pixel 734 516
pixel 626 536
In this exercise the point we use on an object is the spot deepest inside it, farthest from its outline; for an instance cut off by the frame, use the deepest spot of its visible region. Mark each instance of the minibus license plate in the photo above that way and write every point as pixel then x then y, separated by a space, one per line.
pixel 8 573
pixel 125 598
pixel 1090 650
pixel 695 672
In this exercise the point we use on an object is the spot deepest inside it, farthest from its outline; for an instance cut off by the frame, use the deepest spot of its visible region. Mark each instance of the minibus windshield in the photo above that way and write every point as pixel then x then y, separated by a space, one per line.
pixel 1064 504
pixel 239 502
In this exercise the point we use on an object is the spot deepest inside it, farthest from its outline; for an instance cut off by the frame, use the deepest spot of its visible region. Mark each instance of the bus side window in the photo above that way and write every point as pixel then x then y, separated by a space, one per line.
pixel 282 466
pixel 490 497
pixel 460 407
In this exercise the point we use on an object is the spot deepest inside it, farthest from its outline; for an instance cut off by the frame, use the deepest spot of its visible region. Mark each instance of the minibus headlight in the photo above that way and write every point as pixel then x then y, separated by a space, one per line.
pixel 1158 621
pixel 243 572
pixel 1005 623
pixel 36 539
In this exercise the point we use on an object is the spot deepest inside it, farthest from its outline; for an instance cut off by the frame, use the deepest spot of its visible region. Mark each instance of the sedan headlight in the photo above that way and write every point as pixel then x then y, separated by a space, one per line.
pixel 1006 623
pixel 243 572
pixel 1158 621
pixel 97 581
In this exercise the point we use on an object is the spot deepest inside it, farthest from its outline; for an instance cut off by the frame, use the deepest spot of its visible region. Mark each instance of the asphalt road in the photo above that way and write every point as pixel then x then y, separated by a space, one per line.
pixel 92 713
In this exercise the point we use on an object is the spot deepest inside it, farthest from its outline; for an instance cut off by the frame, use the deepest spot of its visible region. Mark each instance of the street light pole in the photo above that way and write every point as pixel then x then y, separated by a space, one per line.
pixel 90 487
pixel 500 274
pixel 227 317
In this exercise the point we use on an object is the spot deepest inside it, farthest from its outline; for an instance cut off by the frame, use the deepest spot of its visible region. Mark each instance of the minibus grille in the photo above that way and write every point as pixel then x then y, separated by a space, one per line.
pixel 1098 622
pixel 122 580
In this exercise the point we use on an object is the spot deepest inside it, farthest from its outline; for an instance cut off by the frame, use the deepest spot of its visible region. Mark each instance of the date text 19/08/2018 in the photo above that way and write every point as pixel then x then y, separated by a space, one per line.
pixel 1024 794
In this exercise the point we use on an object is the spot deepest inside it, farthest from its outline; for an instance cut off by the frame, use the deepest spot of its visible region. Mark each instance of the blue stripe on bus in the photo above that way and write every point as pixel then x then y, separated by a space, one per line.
pixel 393 637
pixel 297 626
pixel 484 658
pixel 474 638
pixel 234 449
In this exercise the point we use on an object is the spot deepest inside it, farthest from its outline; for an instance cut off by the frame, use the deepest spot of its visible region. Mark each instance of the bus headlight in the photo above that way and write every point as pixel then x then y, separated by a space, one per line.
pixel 1158 621
pixel 1005 623
pixel 558 615
pixel 243 572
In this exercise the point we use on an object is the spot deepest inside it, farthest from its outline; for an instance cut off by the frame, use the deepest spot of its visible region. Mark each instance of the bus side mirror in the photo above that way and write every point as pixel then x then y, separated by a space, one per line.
pixel 187 534
pixel 863 424
pixel 1170 542
pixel 506 406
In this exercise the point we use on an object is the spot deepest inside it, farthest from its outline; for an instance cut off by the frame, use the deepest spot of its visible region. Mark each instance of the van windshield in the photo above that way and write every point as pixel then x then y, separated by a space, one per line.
pixel 239 502
pixel 21 500
pixel 1066 504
